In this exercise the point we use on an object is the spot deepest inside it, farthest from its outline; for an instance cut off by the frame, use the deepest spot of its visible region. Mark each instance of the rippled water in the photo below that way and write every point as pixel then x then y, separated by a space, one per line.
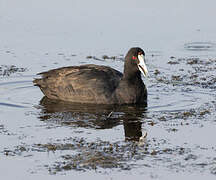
pixel 42 138
pixel 200 46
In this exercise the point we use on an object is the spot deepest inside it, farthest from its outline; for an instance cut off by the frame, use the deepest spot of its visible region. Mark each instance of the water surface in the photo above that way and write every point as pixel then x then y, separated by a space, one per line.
pixel 41 138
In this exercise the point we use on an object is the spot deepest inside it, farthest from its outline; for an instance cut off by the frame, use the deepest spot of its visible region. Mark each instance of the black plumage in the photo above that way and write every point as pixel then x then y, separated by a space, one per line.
pixel 97 84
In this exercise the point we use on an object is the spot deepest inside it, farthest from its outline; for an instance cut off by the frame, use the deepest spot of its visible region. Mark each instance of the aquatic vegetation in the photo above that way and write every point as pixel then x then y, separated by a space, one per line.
pixel 6 70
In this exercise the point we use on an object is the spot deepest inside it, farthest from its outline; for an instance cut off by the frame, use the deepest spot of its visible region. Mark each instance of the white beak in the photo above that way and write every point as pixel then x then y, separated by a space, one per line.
pixel 141 65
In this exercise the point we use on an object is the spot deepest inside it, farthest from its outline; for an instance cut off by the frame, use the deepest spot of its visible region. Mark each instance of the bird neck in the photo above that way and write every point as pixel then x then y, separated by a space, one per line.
pixel 131 75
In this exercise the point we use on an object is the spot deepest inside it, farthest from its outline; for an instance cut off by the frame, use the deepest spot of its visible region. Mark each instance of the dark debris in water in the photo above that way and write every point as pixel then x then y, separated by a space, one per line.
pixel 103 154
pixel 193 114
pixel 213 170
pixel 81 155
pixel 173 62
pixel 7 70
pixel 106 57
pixel 89 160
pixel 4 131
pixel 193 72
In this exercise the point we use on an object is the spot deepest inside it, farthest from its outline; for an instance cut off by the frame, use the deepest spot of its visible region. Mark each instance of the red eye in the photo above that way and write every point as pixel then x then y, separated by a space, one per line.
pixel 134 58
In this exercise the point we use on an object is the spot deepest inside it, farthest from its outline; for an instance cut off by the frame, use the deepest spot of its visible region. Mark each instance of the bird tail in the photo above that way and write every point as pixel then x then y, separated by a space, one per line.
pixel 38 82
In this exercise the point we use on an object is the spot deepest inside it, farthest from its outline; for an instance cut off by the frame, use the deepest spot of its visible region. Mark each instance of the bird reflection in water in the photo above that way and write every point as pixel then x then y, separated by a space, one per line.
pixel 95 116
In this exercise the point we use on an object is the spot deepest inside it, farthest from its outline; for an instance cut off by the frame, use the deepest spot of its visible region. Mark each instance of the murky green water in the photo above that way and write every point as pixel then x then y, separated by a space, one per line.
pixel 48 139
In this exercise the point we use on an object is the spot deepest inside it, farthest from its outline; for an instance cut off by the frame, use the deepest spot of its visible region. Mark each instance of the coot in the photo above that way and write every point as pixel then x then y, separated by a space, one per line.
pixel 98 84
